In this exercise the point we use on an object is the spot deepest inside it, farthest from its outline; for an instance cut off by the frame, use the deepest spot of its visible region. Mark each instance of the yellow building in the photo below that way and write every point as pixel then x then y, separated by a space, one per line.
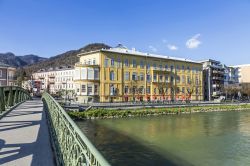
pixel 120 75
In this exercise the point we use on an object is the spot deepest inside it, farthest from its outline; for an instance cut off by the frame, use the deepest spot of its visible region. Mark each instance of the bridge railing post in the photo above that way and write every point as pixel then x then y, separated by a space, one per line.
pixel 2 100
pixel 10 97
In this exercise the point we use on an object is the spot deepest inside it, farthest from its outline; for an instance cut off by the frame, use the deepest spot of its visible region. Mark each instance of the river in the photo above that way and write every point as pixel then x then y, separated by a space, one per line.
pixel 199 139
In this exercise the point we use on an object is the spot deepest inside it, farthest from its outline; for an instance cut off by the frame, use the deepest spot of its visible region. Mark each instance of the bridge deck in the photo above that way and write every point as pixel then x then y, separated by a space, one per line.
pixel 24 138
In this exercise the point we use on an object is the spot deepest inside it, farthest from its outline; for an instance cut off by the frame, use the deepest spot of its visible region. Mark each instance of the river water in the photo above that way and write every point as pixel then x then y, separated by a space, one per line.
pixel 209 139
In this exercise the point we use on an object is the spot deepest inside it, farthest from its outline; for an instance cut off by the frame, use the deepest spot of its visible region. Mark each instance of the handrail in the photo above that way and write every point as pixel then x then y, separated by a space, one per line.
pixel 71 146
pixel 10 96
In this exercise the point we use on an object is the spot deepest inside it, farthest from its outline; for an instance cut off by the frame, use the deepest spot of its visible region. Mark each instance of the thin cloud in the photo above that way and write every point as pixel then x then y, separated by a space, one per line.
pixel 172 47
pixel 152 48
pixel 193 42
pixel 164 41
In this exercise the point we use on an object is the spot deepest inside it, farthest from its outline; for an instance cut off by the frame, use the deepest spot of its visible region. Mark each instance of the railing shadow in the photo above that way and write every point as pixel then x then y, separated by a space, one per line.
pixel 36 149
pixel 20 113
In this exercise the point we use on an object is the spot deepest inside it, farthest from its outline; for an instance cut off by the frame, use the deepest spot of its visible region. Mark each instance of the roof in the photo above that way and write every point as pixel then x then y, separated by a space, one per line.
pixel 210 60
pixel 244 65
pixel 123 50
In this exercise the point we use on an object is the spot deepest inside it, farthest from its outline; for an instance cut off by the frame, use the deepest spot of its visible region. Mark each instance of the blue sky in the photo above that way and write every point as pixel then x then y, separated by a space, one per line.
pixel 217 29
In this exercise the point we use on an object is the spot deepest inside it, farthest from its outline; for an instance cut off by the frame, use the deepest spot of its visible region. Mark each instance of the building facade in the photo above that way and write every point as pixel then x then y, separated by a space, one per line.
pixel 54 81
pixel 121 75
pixel 231 75
pixel 213 79
pixel 7 75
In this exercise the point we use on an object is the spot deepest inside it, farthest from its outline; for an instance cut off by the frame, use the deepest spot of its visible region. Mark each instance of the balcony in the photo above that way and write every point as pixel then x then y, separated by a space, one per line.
pixel 51 76
pixel 218 78
pixel 216 93
pixel 41 77
pixel 51 82
pixel 216 85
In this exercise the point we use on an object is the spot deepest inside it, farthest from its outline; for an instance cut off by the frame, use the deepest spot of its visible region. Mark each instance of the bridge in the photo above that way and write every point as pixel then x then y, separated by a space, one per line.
pixel 40 132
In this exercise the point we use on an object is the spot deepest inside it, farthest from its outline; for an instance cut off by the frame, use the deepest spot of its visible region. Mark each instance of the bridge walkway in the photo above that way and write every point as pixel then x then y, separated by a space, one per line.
pixel 24 137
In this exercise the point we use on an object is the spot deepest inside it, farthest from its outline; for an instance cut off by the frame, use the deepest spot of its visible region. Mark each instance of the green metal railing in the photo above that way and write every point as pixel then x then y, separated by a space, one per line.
pixel 10 96
pixel 71 146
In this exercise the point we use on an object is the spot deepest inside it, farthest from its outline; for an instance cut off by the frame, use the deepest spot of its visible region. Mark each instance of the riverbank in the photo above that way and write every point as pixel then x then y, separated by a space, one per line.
pixel 105 113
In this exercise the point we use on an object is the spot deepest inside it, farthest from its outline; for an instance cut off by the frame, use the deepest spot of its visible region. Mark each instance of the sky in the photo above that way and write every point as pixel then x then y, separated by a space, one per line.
pixel 193 29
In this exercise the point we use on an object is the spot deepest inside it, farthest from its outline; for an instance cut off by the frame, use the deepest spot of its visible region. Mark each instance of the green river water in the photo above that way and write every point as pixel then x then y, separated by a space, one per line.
pixel 209 139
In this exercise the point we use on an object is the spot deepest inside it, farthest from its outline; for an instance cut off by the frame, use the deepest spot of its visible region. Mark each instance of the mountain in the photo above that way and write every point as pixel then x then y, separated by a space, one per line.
pixel 19 61
pixel 68 58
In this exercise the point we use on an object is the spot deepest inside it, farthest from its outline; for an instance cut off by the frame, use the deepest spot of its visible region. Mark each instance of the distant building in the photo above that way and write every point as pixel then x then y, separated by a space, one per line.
pixel 243 73
pixel 54 80
pixel 213 79
pixel 244 79
pixel 121 75
pixel 7 75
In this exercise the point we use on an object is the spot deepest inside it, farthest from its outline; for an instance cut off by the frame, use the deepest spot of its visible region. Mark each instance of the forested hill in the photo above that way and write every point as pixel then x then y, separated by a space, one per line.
pixel 68 58
pixel 19 61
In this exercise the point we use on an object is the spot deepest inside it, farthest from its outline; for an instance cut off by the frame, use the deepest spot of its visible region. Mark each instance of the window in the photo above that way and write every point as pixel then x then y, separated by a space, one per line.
pixel 178 79
pixel 89 89
pixel 148 66
pixel 183 79
pixel 155 77
pixel 196 81
pixel 177 90
pixel 188 80
pixel 96 74
pixel 188 69
pixel 118 62
pixel 166 78
pixel 126 62
pixel 134 76
pixel 95 88
pixel 89 62
pixel 85 62
pixel 172 68
pixel 141 64
pixel 148 77
pixel 1 73
pixel 141 90
pixel 172 79
pixel 134 63
pixel 93 61
pixel 154 66
pixel 126 89
pixel 166 67
pixel 112 62
pixel 172 90
pixel 112 76
pixel 148 89
pixel 127 76
pixel 142 76
pixel 178 68
pixel 83 88
pixel 183 68
pixel 183 90
pixel 197 91
pixel 160 67
pixel 160 78
pixel 106 62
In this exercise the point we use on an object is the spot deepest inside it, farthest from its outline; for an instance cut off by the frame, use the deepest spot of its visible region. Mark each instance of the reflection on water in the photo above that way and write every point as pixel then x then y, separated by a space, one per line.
pixel 216 138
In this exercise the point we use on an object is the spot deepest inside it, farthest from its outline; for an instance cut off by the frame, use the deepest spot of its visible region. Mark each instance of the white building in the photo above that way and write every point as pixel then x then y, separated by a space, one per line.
pixel 56 80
